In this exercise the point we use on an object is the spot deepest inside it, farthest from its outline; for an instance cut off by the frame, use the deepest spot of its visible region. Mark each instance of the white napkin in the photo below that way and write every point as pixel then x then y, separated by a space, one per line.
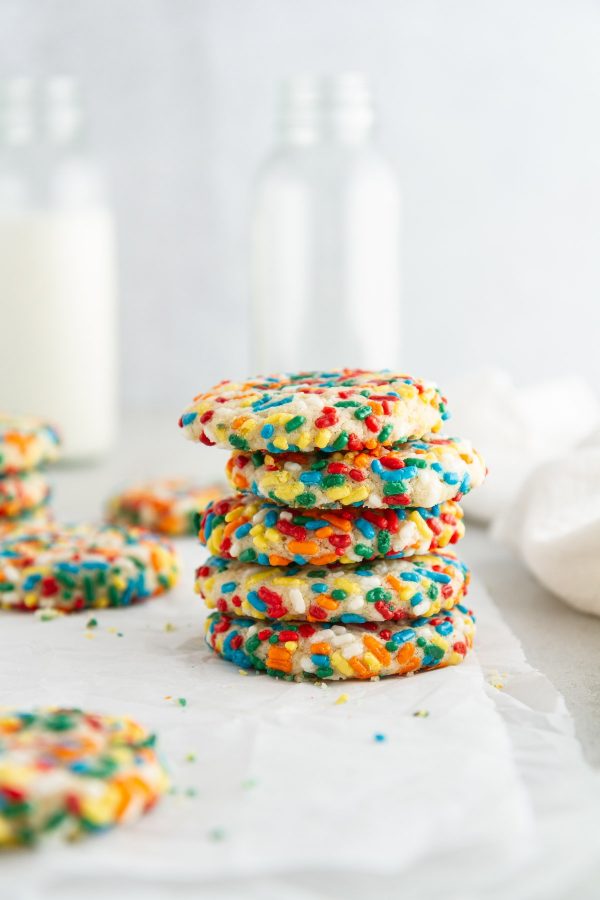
pixel 516 429
pixel 555 526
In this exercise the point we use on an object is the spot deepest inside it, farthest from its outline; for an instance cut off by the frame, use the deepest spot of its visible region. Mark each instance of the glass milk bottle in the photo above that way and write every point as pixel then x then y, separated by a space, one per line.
pixel 57 268
pixel 325 236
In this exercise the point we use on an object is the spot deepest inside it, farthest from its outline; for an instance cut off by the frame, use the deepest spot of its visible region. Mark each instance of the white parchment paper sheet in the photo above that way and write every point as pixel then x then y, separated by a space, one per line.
pixel 290 795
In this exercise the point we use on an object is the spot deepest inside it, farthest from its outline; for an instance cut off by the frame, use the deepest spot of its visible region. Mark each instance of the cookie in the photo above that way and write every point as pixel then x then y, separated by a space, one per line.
pixel 26 443
pixel 41 518
pixel 419 473
pixel 294 651
pixel 166 505
pixel 385 589
pixel 83 566
pixel 71 773
pixel 252 530
pixel 21 495
pixel 347 409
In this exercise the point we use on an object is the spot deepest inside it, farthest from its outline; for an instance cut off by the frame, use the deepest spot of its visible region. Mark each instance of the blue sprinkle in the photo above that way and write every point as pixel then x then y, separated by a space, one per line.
pixel 262 559
pixel 271 518
pixel 300 560
pixel 379 738
pixel 188 418
pixel 451 478
pixel 352 617
pixel 320 659
pixel 267 431
pixel 243 530
pixel 437 467
pixel 311 477
pixel 465 485
pixel 377 468
pixel 365 528
pixel 319 588
pixel 402 637
pixel 315 524
pixel 409 576
pixel 416 599
pixel 229 587
pixel 440 577
pixel 444 628
pixel 255 601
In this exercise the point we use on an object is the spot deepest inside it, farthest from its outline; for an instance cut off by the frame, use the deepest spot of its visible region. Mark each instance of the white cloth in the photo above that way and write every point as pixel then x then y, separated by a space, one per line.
pixel 517 429
pixel 555 526
pixel 542 493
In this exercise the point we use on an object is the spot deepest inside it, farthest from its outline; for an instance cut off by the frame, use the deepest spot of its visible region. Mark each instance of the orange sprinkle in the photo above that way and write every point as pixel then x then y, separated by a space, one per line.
pixel 405 652
pixel 376 407
pixel 321 647
pixel 323 532
pixel 275 560
pixel 338 522
pixel 359 667
pixel 231 526
pixel 377 649
pixel 324 559
pixel 361 461
pixel 393 582
pixel 304 548
pixel 238 421
pixel 327 602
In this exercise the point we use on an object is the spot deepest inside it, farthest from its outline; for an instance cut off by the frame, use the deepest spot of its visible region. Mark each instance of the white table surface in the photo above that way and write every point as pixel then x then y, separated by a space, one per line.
pixel 561 643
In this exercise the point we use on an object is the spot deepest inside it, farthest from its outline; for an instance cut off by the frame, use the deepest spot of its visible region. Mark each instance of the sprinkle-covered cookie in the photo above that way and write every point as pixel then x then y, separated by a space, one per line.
pixel 294 651
pixel 74 568
pixel 26 443
pixel 71 773
pixel 385 589
pixel 166 505
pixel 419 473
pixel 22 495
pixel 252 530
pixel 347 409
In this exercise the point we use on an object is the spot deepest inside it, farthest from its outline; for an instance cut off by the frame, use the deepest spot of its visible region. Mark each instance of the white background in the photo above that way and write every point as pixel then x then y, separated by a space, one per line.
pixel 490 110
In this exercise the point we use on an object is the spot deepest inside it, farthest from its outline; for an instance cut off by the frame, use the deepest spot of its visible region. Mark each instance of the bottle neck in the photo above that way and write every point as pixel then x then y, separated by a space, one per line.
pixel 337 109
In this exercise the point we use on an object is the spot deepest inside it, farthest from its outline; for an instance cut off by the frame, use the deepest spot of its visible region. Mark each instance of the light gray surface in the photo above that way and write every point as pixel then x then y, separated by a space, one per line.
pixel 488 108
pixel 560 642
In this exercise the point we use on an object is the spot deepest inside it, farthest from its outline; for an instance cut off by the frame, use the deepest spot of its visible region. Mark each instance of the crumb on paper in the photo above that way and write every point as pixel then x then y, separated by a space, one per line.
pixel 92 623
pixel 48 615
pixel 496 680
pixel 421 713
pixel 190 757
pixel 249 783
pixel 242 672
pixel 170 627
pixel 191 792
pixel 217 834
pixel 182 701
pixel 379 738
pixel 343 698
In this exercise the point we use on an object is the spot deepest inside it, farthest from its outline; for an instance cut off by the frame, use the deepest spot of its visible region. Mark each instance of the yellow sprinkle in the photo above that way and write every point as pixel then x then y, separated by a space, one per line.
pixel 322 438
pixel 343 698
pixel 280 442
pixel 242 671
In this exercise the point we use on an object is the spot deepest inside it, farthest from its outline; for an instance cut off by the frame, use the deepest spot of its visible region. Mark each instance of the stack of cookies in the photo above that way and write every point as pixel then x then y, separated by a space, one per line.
pixel 27 444
pixel 332 559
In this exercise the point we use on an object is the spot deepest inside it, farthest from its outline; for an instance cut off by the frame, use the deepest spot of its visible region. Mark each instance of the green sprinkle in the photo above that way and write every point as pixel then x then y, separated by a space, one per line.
pixel 338 594
pixel 334 481
pixel 305 499
pixel 239 442
pixel 416 461
pixel 421 642
pixel 341 441
pixel 252 643
pixel 346 404
pixel 248 555
pixel 362 412
pixel 363 550
pixel 376 594
pixel 257 459
pixel 182 701
pixel 92 623
pixel 434 651
pixel 324 672
pixel 295 423
pixel 385 433
pixel 384 541
pixel 394 487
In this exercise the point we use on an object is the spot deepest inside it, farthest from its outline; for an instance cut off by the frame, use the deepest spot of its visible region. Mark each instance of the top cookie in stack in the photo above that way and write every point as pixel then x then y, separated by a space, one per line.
pixel 345 471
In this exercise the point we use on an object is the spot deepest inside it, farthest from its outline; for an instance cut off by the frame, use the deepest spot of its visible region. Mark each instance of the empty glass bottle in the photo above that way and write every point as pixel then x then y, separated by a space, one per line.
pixel 325 235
